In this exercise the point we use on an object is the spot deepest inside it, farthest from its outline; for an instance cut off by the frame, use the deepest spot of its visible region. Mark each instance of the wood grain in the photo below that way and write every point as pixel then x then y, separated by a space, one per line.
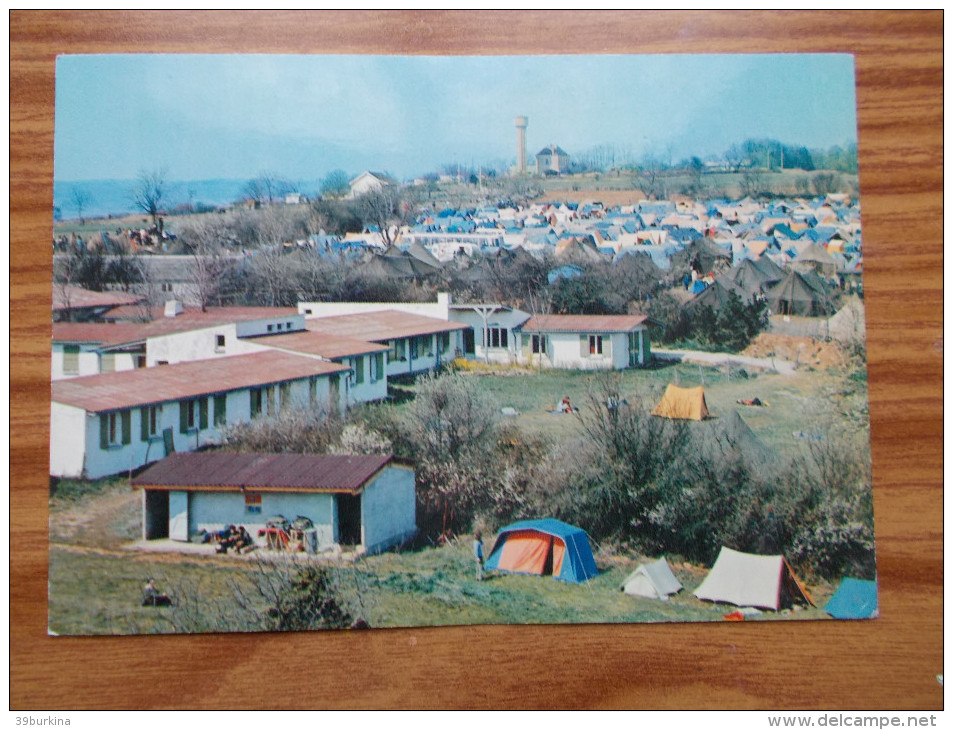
pixel 887 664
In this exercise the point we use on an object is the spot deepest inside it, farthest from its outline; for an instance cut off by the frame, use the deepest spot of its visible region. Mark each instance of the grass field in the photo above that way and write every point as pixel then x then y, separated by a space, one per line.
pixel 95 582
pixel 98 592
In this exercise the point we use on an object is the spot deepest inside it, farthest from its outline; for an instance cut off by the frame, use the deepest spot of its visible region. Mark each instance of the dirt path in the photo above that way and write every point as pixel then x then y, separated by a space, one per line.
pixel 106 520
pixel 783 367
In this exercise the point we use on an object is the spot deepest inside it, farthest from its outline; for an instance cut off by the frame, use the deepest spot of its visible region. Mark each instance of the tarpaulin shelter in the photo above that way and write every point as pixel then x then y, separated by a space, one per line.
pixel 762 581
pixel 854 598
pixel 653 580
pixel 544 547
pixel 683 403
pixel 795 295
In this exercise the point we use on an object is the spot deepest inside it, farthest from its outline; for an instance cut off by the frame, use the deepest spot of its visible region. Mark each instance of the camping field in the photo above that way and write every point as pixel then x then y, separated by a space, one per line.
pixel 97 591
pixel 807 401
pixel 96 573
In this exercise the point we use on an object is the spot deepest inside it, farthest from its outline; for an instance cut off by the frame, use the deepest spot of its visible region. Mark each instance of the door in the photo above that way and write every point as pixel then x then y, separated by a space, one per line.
pixel 155 526
pixel 349 519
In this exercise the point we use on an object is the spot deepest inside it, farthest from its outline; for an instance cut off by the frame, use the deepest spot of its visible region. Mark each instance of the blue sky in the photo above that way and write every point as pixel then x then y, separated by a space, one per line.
pixel 234 116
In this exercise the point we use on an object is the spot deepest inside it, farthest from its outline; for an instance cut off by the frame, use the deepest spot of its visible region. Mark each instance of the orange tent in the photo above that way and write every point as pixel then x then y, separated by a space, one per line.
pixel 683 403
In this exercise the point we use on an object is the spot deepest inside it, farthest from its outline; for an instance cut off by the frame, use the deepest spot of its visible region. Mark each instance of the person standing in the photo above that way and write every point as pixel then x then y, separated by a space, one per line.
pixel 478 553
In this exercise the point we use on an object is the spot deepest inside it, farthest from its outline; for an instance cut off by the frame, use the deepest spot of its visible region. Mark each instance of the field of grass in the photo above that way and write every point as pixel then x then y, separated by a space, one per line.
pixel 799 402
pixel 98 592
pixel 95 584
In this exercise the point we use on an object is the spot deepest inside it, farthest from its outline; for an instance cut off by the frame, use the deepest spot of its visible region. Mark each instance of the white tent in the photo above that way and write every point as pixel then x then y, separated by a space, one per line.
pixel 763 581
pixel 654 580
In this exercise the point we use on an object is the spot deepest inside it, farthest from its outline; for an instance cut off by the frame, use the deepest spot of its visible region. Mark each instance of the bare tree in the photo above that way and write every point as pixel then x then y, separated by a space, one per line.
pixel 150 193
pixel 381 209
pixel 266 187
pixel 205 239
pixel 80 199
pixel 652 178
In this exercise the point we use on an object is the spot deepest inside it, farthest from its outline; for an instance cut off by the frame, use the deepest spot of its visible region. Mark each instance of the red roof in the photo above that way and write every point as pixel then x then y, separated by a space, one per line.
pixel 98 333
pixel 163 383
pixel 583 323
pixel 265 472
pixel 114 333
pixel 198 318
pixel 381 326
pixel 319 343
pixel 76 297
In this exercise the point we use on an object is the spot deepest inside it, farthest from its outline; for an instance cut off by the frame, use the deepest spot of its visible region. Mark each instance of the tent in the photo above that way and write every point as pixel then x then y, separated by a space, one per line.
pixel 762 581
pixel 732 434
pixel 854 598
pixel 544 547
pixel 682 403
pixel 653 580
pixel 797 295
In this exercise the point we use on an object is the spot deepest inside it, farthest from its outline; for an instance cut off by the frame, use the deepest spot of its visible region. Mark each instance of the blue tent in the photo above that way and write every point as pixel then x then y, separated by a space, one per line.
pixel 854 598
pixel 544 547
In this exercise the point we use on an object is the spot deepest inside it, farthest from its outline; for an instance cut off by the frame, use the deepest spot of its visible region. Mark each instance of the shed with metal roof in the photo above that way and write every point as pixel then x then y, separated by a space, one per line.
pixel 360 501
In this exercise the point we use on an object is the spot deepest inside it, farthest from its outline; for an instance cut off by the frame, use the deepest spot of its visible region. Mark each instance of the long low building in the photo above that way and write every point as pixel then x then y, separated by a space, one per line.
pixel 363 501
pixel 416 344
pixel 116 422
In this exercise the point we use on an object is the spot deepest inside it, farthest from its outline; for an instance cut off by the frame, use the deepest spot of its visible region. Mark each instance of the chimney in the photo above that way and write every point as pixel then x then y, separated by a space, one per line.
pixel 173 308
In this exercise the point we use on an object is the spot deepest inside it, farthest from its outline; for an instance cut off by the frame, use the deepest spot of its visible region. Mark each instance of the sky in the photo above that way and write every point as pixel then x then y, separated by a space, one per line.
pixel 201 117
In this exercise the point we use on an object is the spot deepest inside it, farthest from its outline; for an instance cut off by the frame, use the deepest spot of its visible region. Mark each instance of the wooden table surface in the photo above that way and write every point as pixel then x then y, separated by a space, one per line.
pixel 889 664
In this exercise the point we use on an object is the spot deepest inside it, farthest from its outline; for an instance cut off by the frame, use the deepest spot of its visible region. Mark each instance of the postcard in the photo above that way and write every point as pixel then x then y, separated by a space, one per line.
pixel 359 342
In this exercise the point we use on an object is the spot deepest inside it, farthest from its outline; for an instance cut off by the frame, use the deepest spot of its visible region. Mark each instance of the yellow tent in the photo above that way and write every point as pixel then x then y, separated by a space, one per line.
pixel 684 403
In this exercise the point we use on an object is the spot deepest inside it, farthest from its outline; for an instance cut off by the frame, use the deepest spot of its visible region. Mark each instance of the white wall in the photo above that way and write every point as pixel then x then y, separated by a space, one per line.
pixel 388 509
pixel 197 345
pixel 563 351
pixel 75 443
pixel 438 310
pixel 213 511
pixel 369 390
pixel 90 362
pixel 67 446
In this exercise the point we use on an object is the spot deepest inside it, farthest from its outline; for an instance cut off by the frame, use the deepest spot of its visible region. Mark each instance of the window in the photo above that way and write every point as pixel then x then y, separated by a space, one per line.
pixel 308 311
pixel 396 352
pixel 279 326
pixel 220 414
pixel 193 415
pixel 107 362
pixel 426 346
pixel 271 328
pixel 149 422
pixel 140 361
pixel 376 363
pixel 284 396
pixel 358 370
pixel 71 359
pixel 115 429
pixel 538 344
pixel 219 343
pixel 252 504
pixel 496 337
pixel 413 348
pixel 443 342
pixel 256 401
pixel 595 344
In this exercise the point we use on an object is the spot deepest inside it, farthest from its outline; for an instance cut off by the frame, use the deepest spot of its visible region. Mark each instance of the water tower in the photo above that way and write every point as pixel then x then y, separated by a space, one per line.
pixel 521 124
